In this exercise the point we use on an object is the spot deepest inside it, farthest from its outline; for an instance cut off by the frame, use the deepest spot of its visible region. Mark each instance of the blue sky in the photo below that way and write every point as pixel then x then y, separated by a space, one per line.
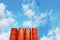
pixel 42 14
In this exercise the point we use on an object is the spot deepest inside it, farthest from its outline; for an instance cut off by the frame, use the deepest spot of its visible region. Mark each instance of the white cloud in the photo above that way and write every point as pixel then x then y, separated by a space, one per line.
pixel 57 31
pixel 27 24
pixel 41 19
pixel 25 7
pixel 4 23
pixel 6 17
pixel 53 34
pixel 2 8
pixel 4 35
pixel 43 15
pixel 9 13
pixel 38 20
pixel 27 10
pixel 6 20
pixel 30 12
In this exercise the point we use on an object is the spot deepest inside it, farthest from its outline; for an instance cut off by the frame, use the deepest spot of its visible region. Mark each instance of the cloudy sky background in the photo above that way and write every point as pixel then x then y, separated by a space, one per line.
pixel 42 14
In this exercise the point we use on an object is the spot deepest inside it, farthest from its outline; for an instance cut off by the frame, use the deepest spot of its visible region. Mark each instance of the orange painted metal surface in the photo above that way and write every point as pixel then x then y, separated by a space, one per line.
pixel 27 34
pixel 13 34
pixel 34 34
pixel 24 34
pixel 20 34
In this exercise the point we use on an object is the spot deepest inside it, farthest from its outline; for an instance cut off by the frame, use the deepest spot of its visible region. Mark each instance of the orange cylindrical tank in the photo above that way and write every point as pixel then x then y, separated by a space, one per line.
pixel 13 34
pixel 27 34
pixel 34 34
pixel 20 34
